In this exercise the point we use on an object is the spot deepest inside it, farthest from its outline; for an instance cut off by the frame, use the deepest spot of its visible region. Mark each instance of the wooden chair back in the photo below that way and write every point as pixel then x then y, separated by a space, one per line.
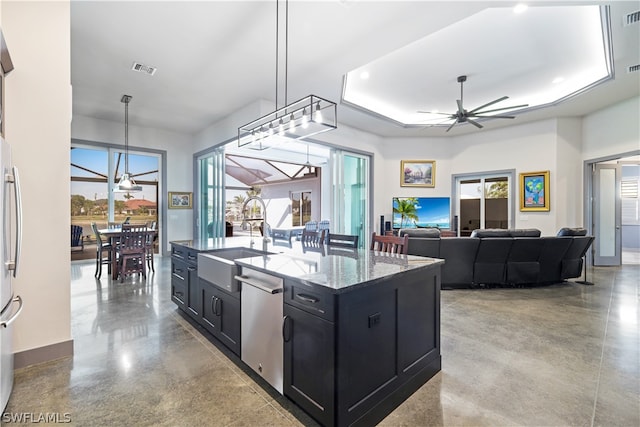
pixel 312 238
pixel 133 239
pixel 343 240
pixel 390 244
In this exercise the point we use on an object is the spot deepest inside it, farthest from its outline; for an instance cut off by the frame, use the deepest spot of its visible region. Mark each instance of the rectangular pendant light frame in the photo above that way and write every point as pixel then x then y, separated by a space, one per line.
pixel 308 116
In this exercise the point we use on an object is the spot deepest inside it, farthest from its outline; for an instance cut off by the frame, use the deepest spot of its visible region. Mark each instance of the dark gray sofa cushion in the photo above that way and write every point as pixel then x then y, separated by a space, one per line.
pixel 550 258
pixel 523 265
pixel 424 247
pixel 491 260
pixel 458 254
pixel 572 260
pixel 420 232
pixel 499 232
pixel 568 231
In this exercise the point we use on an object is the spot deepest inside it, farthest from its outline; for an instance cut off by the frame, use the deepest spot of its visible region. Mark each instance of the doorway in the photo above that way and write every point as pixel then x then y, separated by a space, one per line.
pixel 94 171
pixel 614 210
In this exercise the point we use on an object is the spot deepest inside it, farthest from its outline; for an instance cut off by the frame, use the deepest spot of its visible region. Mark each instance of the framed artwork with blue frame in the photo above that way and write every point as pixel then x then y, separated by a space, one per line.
pixel 534 191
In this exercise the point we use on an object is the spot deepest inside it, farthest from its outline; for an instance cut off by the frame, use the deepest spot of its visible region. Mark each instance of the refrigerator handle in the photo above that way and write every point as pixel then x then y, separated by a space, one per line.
pixel 15 179
pixel 9 321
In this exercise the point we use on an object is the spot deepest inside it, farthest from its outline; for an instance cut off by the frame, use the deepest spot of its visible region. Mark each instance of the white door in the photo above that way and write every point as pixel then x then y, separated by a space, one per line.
pixel 607 208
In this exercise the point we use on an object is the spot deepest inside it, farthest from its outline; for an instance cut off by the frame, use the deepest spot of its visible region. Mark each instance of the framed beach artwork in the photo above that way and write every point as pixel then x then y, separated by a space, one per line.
pixel 180 200
pixel 418 173
pixel 534 191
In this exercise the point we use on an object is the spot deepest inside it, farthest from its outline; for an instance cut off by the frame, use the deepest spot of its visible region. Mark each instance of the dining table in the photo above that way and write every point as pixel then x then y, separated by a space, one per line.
pixel 113 235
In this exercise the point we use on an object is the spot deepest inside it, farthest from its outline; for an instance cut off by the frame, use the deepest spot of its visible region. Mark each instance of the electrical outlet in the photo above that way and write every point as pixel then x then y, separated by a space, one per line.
pixel 374 319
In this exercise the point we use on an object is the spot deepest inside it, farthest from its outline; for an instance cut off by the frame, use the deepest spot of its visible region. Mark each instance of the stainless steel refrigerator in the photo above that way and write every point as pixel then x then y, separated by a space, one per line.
pixel 10 304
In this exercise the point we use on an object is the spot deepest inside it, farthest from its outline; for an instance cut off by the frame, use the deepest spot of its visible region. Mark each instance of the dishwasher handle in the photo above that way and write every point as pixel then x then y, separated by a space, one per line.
pixel 286 332
pixel 259 285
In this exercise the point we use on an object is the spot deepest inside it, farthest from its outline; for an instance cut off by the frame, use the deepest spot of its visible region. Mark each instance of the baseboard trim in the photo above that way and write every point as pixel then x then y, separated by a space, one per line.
pixel 42 354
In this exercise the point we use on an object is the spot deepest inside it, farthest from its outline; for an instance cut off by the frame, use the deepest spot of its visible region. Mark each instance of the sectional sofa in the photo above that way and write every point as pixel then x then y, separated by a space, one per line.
pixel 496 257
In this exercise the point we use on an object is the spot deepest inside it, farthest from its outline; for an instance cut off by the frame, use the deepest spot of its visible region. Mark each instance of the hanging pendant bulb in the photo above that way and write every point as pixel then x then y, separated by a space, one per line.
pixel 281 127
pixel 318 115
pixel 126 183
pixel 305 119
pixel 292 123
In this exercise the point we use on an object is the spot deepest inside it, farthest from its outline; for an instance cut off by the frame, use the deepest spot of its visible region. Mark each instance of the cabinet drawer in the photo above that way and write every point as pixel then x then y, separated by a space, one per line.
pixel 305 298
pixel 179 271
pixel 185 254
pixel 178 291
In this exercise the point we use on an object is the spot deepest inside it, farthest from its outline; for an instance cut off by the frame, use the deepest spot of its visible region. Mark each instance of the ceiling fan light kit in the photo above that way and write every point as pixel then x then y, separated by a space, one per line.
pixel 308 116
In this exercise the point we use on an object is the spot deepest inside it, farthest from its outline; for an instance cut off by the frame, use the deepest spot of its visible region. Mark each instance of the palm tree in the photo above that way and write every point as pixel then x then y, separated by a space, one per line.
pixel 406 208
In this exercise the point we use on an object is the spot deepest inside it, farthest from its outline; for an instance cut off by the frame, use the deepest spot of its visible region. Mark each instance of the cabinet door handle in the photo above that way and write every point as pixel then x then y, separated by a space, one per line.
pixel 190 257
pixel 178 294
pixel 191 268
pixel 307 298
pixel 286 332
pixel 216 306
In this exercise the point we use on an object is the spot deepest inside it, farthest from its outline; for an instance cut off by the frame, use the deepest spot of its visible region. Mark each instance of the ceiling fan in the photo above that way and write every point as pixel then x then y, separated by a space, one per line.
pixel 462 115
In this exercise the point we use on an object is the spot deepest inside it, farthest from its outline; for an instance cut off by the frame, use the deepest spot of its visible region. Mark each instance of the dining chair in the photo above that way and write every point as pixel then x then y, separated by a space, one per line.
pixel 342 240
pixel 312 238
pixel 101 248
pixel 390 244
pixel 132 251
pixel 150 240
pixel 77 241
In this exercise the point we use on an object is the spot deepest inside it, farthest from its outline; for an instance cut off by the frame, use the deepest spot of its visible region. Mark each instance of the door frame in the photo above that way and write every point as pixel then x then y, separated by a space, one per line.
pixel 587 200
pixel 162 183
pixel 455 197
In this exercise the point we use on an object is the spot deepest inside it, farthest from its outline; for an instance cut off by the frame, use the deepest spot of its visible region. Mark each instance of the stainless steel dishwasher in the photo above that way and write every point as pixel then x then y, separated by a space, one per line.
pixel 261 325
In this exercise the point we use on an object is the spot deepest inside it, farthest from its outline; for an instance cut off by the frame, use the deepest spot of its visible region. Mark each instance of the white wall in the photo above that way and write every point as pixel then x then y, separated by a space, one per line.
pixel 37 119
pixel 179 173
pixel 613 130
pixel 279 201
pixel 227 128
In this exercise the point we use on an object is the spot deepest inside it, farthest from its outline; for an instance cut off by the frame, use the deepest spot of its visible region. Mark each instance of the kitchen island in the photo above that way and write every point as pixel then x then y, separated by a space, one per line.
pixel 360 330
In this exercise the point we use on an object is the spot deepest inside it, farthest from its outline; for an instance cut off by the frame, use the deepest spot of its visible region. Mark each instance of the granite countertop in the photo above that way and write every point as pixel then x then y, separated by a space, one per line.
pixel 339 270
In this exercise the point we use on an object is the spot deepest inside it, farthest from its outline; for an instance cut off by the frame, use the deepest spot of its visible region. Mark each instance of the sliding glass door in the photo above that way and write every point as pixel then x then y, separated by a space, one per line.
pixel 210 204
pixel 95 170
pixel 483 201
pixel 350 183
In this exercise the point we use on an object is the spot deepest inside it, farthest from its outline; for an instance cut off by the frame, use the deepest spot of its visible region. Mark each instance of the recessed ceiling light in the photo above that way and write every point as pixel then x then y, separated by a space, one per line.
pixel 520 8
pixel 364 75
pixel 557 80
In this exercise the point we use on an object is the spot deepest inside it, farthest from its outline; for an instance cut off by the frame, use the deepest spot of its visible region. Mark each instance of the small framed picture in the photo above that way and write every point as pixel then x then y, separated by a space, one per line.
pixel 180 200
pixel 418 173
pixel 534 191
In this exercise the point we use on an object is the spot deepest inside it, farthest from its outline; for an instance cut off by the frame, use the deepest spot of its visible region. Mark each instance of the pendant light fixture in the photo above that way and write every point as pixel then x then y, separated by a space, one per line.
pixel 305 117
pixel 126 183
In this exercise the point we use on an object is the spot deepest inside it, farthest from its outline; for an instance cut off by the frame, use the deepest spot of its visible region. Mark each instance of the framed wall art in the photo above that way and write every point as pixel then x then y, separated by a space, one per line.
pixel 534 191
pixel 180 200
pixel 418 173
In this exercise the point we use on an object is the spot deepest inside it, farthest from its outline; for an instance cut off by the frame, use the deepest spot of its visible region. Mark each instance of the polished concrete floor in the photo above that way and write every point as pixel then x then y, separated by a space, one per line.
pixel 562 355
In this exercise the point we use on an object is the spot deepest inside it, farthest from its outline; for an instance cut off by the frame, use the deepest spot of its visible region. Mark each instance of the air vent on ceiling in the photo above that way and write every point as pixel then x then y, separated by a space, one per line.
pixel 633 68
pixel 632 18
pixel 143 68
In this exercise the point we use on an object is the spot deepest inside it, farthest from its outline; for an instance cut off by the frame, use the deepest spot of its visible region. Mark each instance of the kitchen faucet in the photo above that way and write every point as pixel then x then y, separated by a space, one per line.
pixel 265 227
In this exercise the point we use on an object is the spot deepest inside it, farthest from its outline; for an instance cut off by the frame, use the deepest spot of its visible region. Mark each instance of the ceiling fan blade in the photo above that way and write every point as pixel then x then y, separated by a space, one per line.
pixel 473 122
pixel 503 108
pixel 452 125
pixel 495 101
pixel 435 112
pixel 493 117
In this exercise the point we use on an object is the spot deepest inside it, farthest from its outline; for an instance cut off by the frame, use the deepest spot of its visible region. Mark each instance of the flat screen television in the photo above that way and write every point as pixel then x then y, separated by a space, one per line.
pixel 426 212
